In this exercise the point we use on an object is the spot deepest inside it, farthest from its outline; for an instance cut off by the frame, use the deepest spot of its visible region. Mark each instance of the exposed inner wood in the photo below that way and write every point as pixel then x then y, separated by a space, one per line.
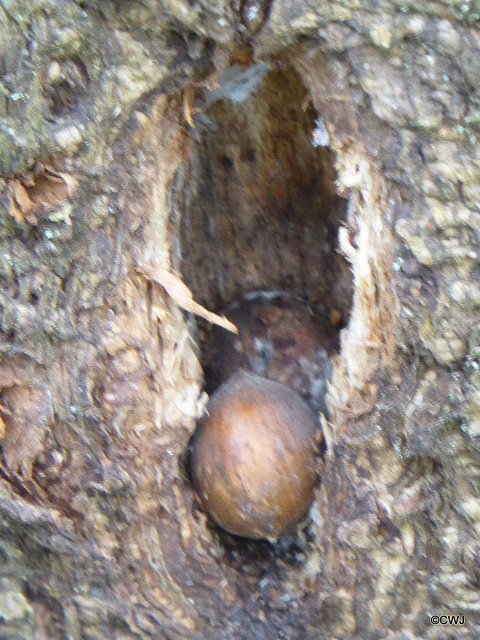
pixel 257 202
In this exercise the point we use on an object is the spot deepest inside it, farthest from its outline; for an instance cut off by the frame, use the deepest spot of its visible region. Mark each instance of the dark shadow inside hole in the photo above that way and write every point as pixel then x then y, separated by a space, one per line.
pixel 226 162
pixel 63 98
pixel 259 208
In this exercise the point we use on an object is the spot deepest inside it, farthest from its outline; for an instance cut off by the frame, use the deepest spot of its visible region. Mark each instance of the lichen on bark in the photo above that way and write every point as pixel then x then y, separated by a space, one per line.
pixel 100 380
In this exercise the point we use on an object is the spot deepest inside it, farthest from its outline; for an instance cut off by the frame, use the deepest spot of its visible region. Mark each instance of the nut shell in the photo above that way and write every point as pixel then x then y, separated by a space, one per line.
pixel 281 338
pixel 254 457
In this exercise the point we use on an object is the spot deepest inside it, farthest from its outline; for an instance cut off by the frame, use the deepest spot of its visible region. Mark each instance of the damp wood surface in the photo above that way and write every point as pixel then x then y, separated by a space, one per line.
pixel 101 535
pixel 259 208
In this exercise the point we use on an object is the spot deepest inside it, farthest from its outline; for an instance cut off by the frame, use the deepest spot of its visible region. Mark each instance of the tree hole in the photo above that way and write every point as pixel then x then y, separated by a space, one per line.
pixel 259 217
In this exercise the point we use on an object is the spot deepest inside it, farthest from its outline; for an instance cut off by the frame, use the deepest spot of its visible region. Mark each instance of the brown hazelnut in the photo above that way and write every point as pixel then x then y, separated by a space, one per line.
pixel 253 459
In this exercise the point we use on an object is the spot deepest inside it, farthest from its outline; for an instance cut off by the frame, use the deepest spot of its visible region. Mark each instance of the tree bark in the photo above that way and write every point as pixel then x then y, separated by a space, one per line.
pixel 325 148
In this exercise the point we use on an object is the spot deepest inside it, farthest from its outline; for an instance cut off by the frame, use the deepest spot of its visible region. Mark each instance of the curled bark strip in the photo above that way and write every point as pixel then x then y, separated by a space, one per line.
pixel 182 295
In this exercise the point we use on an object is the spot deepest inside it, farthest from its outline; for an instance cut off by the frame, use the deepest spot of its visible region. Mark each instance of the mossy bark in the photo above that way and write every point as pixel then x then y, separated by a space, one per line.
pixel 111 140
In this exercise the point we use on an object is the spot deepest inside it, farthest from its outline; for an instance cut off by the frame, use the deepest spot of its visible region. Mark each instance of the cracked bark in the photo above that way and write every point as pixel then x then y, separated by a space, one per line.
pixel 100 536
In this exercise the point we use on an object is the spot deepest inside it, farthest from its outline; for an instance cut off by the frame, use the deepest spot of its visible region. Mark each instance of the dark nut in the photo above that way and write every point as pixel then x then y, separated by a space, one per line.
pixel 281 338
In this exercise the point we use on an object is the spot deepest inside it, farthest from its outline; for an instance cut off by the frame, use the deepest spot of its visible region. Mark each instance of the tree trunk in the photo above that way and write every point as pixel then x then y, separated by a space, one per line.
pixel 326 149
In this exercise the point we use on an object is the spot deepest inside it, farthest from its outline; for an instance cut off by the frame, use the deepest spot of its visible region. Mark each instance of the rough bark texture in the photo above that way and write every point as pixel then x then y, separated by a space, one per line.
pixel 100 534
